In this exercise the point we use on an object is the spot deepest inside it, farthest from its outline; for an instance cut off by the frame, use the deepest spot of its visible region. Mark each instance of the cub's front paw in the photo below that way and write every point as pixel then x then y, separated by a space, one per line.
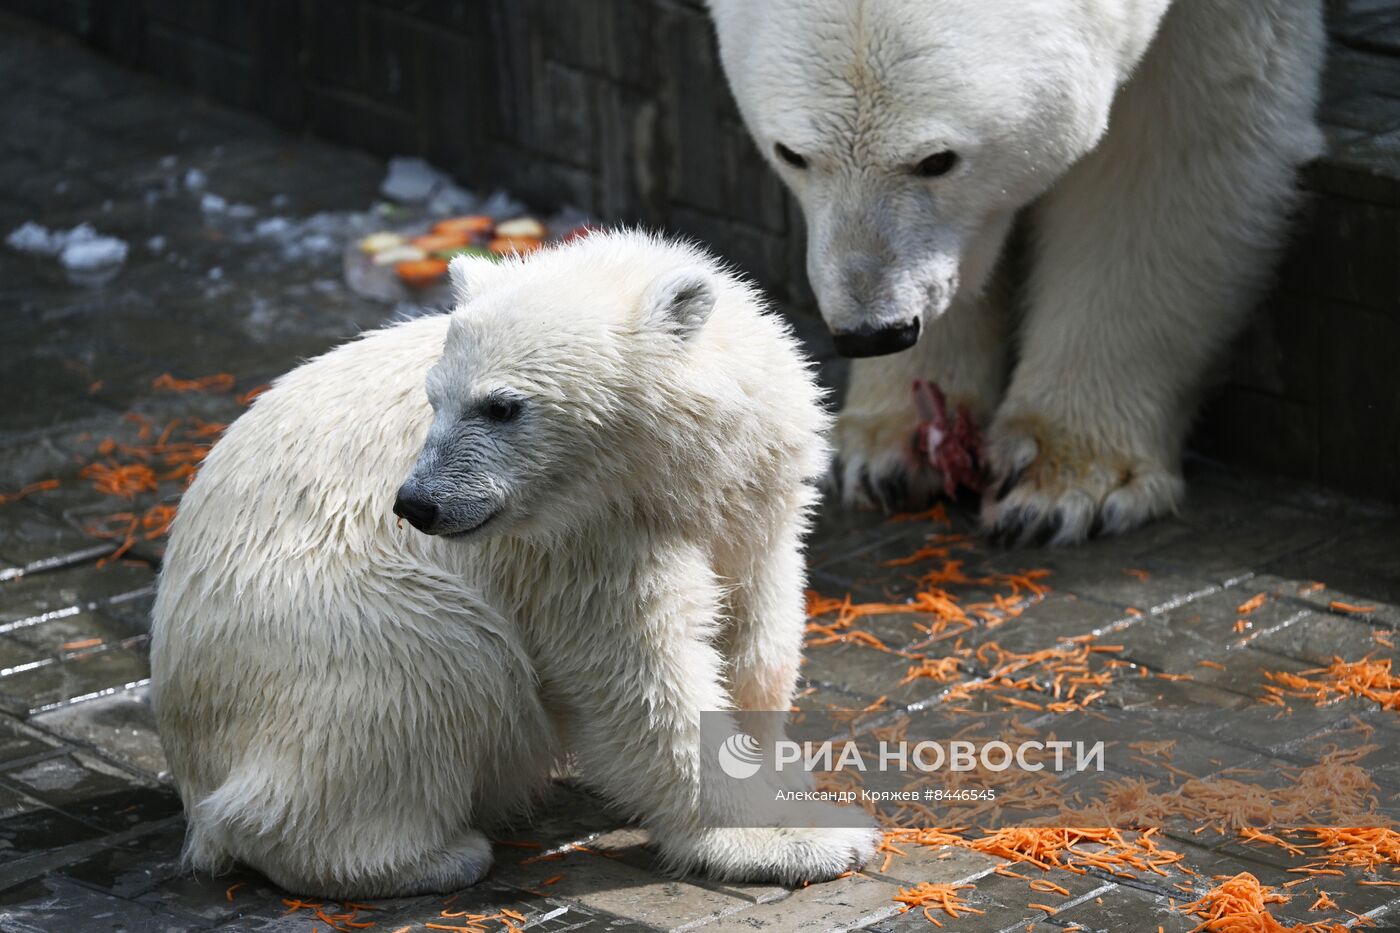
pixel 776 855
pixel 1055 487
pixel 878 464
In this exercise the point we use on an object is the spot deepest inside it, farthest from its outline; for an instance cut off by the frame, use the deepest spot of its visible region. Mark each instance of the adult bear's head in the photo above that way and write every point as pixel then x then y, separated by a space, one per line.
pixel 911 131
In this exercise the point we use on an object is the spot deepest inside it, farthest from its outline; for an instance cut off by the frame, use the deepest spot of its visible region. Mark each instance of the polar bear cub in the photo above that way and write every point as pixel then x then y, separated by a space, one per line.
pixel 601 497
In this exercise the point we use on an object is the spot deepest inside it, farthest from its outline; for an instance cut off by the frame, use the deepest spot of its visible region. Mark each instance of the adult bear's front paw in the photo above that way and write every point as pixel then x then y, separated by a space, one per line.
pixel 877 461
pixel 776 855
pixel 1058 487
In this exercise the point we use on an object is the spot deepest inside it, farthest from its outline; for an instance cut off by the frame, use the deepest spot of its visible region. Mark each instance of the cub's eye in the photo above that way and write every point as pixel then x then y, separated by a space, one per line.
pixel 940 163
pixel 501 410
pixel 788 156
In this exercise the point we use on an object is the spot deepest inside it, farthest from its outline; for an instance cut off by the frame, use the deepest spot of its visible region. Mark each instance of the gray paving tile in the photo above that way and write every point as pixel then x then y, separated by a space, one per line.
pixel 121 725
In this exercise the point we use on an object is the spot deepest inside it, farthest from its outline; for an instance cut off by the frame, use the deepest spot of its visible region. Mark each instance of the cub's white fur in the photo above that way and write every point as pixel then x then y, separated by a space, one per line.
pixel 1155 145
pixel 345 701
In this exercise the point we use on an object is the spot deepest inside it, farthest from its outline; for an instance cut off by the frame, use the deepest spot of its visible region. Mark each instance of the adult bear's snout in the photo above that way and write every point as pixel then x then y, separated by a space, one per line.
pixel 420 511
pixel 876 341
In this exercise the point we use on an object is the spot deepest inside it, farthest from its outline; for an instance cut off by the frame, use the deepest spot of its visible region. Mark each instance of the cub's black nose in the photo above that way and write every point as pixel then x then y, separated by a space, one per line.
pixel 420 512
pixel 877 341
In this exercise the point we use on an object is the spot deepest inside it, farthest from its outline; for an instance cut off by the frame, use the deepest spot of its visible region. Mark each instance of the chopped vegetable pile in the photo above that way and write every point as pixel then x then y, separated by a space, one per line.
pixel 421 261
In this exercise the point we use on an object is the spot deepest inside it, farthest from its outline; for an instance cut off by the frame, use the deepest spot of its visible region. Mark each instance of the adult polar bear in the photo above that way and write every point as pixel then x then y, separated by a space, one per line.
pixel 1155 144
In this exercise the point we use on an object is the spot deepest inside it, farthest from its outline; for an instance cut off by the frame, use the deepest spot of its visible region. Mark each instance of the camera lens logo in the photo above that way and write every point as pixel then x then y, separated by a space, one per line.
pixel 740 756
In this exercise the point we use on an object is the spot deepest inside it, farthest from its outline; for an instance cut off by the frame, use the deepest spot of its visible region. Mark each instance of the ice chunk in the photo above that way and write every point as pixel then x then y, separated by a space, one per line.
pixel 92 253
pixel 501 206
pixel 319 243
pixel 452 199
pixel 272 226
pixel 411 180
pixel 195 180
pixel 212 204
pixel 35 239
pixel 38 240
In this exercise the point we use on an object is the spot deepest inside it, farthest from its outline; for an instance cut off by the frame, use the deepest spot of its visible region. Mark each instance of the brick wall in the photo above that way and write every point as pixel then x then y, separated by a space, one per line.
pixel 619 107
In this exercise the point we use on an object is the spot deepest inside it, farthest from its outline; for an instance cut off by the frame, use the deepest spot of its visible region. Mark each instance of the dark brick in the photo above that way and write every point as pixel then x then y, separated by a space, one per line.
pixel 1245 425
pixel 360 121
pixel 229 77
pixel 1347 251
pixel 1361 407
pixel 234 25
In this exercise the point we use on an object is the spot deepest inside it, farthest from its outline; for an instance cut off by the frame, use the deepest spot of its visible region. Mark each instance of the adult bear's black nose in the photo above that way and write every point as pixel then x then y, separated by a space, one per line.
pixel 876 341
pixel 417 508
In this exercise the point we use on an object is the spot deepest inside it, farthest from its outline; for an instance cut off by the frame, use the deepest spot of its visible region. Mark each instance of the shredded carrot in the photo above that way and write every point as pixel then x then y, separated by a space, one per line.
pixel 1337 605
pixel 228 893
pixel 79 645
pixel 120 480
pixel 1369 678
pixel 1240 905
pixel 938 514
pixel 1251 604
pixel 219 382
pixel 44 485
pixel 945 896
pixel 1048 887
pixel 246 398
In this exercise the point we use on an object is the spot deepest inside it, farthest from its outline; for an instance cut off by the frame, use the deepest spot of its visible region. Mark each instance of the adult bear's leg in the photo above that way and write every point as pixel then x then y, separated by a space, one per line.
pixel 1147 256
pixel 963 352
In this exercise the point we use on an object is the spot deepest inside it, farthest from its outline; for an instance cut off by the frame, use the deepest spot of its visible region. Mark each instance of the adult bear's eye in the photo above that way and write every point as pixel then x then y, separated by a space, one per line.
pixel 788 156
pixel 501 409
pixel 940 163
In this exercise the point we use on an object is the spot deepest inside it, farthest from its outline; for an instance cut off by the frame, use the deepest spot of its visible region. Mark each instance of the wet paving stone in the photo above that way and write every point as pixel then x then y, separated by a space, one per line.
pixel 54 902
pixel 40 829
pixel 121 725
pixel 38 599
pixel 51 683
pixel 93 792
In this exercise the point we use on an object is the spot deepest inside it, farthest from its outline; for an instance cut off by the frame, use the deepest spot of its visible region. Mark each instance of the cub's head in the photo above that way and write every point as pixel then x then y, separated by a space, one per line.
pixel 911 131
pixel 542 390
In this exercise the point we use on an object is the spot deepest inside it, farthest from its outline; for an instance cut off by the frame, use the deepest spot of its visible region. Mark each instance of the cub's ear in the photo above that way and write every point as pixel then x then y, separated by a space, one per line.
pixel 466 274
pixel 679 301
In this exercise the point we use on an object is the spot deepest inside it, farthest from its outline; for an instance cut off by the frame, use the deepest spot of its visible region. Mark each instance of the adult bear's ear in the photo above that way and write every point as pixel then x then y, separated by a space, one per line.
pixel 679 301
pixel 466 274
